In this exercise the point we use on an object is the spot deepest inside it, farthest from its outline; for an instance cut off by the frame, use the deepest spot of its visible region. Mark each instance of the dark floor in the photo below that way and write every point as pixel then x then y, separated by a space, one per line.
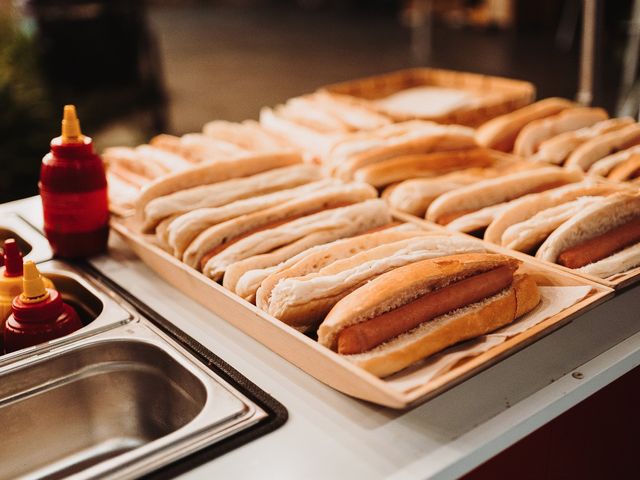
pixel 222 62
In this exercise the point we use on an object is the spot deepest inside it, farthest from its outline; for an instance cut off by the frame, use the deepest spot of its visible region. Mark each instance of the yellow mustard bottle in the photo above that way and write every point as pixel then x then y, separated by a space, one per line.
pixel 11 278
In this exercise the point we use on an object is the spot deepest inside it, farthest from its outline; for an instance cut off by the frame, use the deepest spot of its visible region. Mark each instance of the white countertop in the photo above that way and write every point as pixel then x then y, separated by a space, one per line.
pixel 330 435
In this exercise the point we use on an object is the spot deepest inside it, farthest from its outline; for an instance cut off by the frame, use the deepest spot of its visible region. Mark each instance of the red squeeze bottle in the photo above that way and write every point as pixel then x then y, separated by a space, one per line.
pixel 38 314
pixel 73 187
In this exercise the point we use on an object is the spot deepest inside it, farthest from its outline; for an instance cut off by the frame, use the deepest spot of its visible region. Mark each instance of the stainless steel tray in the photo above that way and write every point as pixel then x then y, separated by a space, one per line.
pixel 33 244
pixel 121 403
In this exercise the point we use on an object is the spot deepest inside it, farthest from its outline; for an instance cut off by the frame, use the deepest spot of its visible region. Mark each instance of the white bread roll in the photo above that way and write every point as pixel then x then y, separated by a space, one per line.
pixel 591 222
pixel 246 276
pixel 627 170
pixel 188 226
pixel 526 207
pixel 597 148
pixel 527 235
pixel 403 285
pixel 213 173
pixel 222 193
pixel 536 132
pixel 428 165
pixel 604 166
pixel 500 132
pixel 558 148
pixel 498 190
pixel 329 197
pixel 425 140
pixel 415 196
pixel 247 135
pixel 302 302
pixel 260 282
pixel 321 227
pixel 356 115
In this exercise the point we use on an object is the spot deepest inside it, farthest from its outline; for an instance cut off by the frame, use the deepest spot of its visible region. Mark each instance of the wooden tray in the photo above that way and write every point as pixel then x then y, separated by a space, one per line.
pixel 503 94
pixel 616 282
pixel 326 365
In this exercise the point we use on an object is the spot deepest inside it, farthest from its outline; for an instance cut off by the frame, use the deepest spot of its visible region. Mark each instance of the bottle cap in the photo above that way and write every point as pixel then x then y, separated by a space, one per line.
pixel 12 258
pixel 71 126
pixel 33 288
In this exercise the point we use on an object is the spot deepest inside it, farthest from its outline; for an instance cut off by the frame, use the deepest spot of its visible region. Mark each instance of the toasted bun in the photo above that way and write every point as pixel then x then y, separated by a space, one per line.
pixel 597 148
pixel 261 282
pixel 498 190
pixel 536 132
pixel 558 148
pixel 429 165
pixel 500 132
pixel 304 301
pixel 525 207
pixel 189 225
pixel 221 193
pixel 594 220
pixel 321 227
pixel 212 173
pixel 403 285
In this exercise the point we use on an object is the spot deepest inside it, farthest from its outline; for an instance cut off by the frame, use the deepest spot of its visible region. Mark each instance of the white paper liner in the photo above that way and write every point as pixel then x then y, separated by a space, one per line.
pixel 553 301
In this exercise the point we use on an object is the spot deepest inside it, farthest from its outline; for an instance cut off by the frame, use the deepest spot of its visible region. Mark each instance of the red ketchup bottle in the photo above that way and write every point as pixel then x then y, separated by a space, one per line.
pixel 38 314
pixel 73 187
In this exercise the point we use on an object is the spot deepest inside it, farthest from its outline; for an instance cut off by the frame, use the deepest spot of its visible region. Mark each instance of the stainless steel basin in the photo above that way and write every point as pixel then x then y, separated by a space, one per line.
pixel 32 244
pixel 99 310
pixel 120 403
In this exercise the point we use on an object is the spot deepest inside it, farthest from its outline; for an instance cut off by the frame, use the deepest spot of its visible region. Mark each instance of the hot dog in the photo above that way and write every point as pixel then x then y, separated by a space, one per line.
pixel 367 335
pixel 601 246
pixel 601 240
pixel 419 309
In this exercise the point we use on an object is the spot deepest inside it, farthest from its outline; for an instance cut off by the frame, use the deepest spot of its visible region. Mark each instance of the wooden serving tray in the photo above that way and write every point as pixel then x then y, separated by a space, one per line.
pixel 503 95
pixel 617 281
pixel 326 365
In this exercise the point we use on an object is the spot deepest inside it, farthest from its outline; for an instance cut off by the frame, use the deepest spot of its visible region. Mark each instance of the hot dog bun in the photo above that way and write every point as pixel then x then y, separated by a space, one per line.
pixel 220 233
pixel 597 148
pixel 536 132
pixel 402 285
pixel 261 282
pixel 426 138
pixel 322 227
pixel 523 208
pixel 303 301
pixel 500 133
pixel 591 222
pixel 498 190
pixel 430 165
pixel 558 148
pixel 253 278
pixel 224 192
pixel 212 173
pixel 186 227
pixel 605 165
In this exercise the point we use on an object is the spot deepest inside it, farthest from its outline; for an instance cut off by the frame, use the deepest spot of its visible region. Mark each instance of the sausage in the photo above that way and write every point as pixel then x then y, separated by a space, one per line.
pixel 366 335
pixel 450 217
pixel 601 246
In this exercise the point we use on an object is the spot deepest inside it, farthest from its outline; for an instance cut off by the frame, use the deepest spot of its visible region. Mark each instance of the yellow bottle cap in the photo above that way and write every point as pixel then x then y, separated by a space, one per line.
pixel 71 126
pixel 33 287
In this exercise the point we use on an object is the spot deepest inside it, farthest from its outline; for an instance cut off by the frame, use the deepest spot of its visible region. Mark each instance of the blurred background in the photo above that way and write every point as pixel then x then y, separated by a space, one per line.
pixel 136 68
